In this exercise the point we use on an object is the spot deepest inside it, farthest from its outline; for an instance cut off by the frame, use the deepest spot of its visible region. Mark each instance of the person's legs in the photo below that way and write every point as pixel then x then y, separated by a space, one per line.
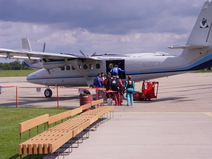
pixel 116 98
pixel 128 98
pixel 131 98
pixel 119 98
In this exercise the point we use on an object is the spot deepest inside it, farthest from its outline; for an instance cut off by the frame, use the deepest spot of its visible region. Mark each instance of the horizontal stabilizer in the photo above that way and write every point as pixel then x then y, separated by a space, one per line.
pixel 188 47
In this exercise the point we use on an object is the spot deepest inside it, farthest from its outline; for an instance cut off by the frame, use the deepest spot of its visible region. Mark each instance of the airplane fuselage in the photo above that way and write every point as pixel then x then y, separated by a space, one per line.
pixel 141 66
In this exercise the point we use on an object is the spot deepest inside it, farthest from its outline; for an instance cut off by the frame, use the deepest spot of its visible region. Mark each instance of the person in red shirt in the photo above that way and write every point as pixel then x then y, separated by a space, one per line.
pixel 120 91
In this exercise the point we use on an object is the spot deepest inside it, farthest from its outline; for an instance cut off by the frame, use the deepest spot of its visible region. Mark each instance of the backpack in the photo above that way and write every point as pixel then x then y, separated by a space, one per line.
pixel 114 84
pixel 129 87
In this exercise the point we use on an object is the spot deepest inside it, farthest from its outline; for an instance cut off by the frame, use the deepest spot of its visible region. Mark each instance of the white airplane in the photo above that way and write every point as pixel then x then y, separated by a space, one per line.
pixel 72 70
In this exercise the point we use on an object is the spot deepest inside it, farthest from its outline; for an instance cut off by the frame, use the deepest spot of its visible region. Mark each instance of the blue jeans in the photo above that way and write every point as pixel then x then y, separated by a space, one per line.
pixel 129 98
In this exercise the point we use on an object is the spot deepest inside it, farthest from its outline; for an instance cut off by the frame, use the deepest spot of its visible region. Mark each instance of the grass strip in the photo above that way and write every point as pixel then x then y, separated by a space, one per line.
pixel 15 73
pixel 10 118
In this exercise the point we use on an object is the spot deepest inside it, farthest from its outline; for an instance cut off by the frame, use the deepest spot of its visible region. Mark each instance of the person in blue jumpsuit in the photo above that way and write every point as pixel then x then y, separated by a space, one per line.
pixel 98 81
pixel 115 71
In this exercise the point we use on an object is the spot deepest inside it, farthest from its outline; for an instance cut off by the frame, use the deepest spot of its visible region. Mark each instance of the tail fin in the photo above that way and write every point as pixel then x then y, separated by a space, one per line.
pixel 201 33
pixel 26 45
pixel 197 51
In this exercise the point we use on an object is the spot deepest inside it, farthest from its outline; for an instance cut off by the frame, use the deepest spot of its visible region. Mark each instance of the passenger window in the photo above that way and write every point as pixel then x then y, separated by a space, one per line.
pixel 85 66
pixel 62 68
pixel 97 66
pixel 68 67
pixel 91 66
pixel 72 67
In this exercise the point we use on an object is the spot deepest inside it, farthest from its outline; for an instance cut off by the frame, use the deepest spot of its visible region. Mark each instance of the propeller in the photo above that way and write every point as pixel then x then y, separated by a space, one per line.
pixel 93 54
pixel 82 53
pixel 87 55
pixel 44 47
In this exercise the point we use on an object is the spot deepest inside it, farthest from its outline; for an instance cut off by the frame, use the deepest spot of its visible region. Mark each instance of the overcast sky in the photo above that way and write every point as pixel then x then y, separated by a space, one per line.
pixel 101 26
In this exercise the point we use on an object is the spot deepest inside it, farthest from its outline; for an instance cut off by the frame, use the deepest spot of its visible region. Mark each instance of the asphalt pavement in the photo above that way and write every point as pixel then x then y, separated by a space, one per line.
pixel 176 125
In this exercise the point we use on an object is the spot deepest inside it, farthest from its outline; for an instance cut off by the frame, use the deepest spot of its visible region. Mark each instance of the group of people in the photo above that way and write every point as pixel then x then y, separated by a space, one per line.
pixel 115 88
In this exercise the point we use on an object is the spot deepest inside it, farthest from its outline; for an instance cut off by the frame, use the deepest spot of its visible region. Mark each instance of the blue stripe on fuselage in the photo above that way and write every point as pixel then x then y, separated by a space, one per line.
pixel 195 66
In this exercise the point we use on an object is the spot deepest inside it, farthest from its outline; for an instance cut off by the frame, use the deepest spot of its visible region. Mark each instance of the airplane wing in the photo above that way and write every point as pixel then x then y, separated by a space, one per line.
pixel 49 60
pixel 18 57
pixel 27 52
pixel 188 47
pixel 9 53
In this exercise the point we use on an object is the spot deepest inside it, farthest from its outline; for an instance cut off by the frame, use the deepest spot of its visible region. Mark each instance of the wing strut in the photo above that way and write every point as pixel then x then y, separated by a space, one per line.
pixel 80 71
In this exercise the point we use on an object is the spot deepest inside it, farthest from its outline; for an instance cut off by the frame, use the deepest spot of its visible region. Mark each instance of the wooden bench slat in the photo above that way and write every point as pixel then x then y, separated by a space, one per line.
pixel 86 106
pixel 63 115
pixel 40 148
pixel 53 146
pixel 67 124
pixel 76 111
pixel 35 150
pixel 58 117
pixel 97 102
pixel 45 149
pixel 30 149
pixel 26 125
pixel 81 127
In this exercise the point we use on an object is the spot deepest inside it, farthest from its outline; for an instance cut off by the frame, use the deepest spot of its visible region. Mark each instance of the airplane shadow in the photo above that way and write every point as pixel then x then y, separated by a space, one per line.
pixel 30 101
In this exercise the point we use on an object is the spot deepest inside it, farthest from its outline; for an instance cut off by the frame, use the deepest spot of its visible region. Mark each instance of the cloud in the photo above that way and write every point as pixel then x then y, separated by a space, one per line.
pixel 97 25
pixel 98 16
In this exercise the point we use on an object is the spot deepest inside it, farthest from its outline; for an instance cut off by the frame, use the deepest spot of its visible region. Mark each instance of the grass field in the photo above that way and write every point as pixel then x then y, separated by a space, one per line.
pixel 15 73
pixel 18 73
pixel 10 118
pixel 203 71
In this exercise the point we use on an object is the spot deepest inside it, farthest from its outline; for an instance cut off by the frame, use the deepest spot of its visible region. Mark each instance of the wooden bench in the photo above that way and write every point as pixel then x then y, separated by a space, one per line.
pixel 54 137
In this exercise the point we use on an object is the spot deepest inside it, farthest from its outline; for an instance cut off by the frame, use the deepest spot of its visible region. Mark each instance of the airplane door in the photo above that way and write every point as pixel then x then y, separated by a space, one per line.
pixel 121 64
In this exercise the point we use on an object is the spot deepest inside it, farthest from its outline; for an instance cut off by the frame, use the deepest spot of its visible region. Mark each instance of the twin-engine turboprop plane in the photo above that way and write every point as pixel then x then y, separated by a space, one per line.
pixel 72 70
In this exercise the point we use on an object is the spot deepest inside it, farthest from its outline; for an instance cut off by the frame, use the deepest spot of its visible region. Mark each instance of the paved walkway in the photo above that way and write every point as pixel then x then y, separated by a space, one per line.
pixel 149 136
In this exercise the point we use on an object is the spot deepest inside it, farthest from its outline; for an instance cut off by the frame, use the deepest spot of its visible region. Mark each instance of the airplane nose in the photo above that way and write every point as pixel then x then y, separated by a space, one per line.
pixel 31 77
pixel 36 77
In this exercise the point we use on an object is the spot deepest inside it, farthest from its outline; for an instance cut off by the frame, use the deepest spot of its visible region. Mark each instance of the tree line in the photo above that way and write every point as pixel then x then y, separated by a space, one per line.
pixel 16 65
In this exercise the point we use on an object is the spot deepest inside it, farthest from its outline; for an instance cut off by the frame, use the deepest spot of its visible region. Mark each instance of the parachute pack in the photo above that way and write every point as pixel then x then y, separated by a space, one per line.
pixel 114 83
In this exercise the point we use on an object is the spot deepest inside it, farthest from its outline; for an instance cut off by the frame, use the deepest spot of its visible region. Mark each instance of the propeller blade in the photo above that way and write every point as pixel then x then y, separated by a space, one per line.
pixel 44 46
pixel 82 53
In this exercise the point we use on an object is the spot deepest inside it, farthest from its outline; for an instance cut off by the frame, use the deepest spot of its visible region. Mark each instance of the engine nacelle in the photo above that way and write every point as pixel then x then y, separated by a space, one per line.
pixel 50 65
pixel 35 64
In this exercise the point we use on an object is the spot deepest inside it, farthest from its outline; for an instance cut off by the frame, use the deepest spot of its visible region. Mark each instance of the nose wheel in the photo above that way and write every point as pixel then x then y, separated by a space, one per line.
pixel 48 93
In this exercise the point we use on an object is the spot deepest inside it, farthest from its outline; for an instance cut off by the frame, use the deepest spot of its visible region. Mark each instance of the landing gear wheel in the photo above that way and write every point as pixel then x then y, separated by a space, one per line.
pixel 48 93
